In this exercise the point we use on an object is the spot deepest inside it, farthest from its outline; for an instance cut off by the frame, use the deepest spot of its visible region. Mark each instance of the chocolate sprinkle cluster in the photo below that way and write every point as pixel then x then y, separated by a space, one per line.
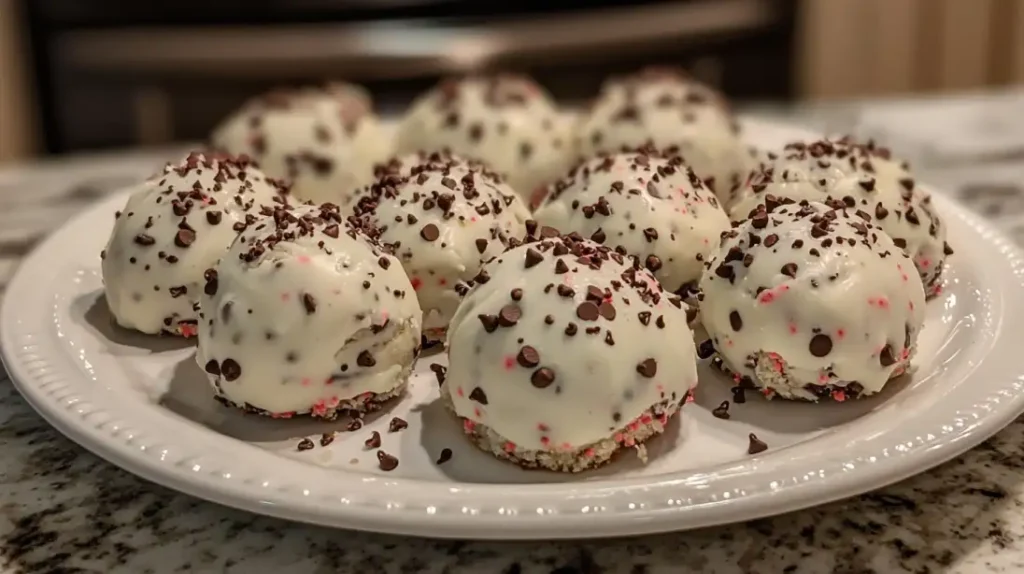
pixel 904 215
pixel 189 203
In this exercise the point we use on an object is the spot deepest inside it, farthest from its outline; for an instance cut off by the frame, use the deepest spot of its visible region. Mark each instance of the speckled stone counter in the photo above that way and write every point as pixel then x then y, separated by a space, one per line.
pixel 64 510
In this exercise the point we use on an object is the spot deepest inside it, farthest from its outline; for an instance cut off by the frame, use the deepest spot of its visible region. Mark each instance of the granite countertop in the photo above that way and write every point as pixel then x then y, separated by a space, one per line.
pixel 64 510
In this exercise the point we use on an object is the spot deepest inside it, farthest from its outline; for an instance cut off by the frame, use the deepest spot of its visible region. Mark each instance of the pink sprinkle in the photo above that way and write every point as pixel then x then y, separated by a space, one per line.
pixel 333 401
pixel 542 427
pixel 588 453
pixel 328 381
pixel 286 297
pixel 566 446
pixel 306 381
pixel 545 440
pixel 911 305
pixel 319 408
pixel 442 282
pixel 303 259
pixel 925 262
pixel 476 412
pixel 729 343
pixel 468 425
pixel 838 395
pixel 840 333
pixel 473 219
pixel 792 329
pixel 766 297
pixel 883 302
pixel 619 437
pixel 905 278
pixel 736 378
pixel 938 289
pixel 663 419
pixel 633 426
pixel 905 354
pixel 416 283
pixel 459 392
pixel 689 397
pixel 510 446
pixel 646 419
pixel 510 362
pixel 630 441
pixel 823 378
pixel 767 392
pixel 660 387
pixel 187 330
pixel 284 415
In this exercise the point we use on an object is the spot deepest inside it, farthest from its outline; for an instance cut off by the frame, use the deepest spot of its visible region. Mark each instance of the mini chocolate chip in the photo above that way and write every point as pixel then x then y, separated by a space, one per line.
pixel 309 303
pixel 571 329
pixel 528 357
pixel 212 367
pixel 735 320
pixel 653 263
pixel 756 445
pixel 607 310
pixel 230 369
pixel 561 267
pixel 144 240
pixel 384 262
pixel 446 455
pixel 177 291
pixel 516 294
pixel 739 395
pixel 821 345
pixel 397 424
pixel 481 245
pixel 789 269
pixel 946 249
pixel 430 232
pixel 305 444
pixel 374 440
pixel 509 315
pixel 660 321
pixel 490 322
pixel 326 439
pixel 721 411
pixel 542 378
pixel 650 234
pixel 213 217
pixel 549 319
pixel 478 395
pixel 533 257
pixel 440 372
pixel 608 339
pixel 332 230
pixel 365 359
pixel 587 311
pixel 645 317
pixel 598 236
pixel 386 462
pixel 647 368
pixel 184 237
pixel 771 239
pixel 564 290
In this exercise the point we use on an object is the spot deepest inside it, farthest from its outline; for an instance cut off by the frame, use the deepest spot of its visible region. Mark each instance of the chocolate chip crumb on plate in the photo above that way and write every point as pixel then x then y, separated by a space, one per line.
pixel 148 406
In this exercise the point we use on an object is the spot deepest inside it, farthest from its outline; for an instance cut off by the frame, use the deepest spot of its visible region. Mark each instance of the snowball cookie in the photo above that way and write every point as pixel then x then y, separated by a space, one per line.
pixel 808 302
pixel 444 220
pixel 564 352
pixel 174 227
pixel 865 178
pixel 673 113
pixel 508 121
pixel 324 140
pixel 307 315
pixel 644 203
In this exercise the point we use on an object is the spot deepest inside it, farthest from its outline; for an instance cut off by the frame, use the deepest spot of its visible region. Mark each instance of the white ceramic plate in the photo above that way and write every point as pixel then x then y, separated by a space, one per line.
pixel 142 403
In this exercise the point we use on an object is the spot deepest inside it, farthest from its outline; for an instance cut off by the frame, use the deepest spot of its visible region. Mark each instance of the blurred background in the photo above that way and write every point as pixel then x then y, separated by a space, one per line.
pixel 78 75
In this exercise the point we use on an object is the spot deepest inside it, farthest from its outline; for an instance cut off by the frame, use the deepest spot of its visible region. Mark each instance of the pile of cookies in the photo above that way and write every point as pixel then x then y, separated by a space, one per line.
pixel 563 259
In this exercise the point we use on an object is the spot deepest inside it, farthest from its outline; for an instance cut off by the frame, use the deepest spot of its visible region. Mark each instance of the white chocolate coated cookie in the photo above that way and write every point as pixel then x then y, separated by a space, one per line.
pixel 324 141
pixel 444 217
pixel 507 121
pixel 673 114
pixel 865 178
pixel 307 315
pixel 564 346
pixel 809 302
pixel 174 227
pixel 643 203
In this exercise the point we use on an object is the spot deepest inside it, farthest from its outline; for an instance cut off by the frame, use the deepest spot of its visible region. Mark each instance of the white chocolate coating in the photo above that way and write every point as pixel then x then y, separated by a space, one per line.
pixel 807 295
pixel 676 115
pixel 304 315
pixel 325 141
pixel 649 204
pixel 507 121
pixel 174 227
pixel 864 178
pixel 555 352
pixel 444 217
